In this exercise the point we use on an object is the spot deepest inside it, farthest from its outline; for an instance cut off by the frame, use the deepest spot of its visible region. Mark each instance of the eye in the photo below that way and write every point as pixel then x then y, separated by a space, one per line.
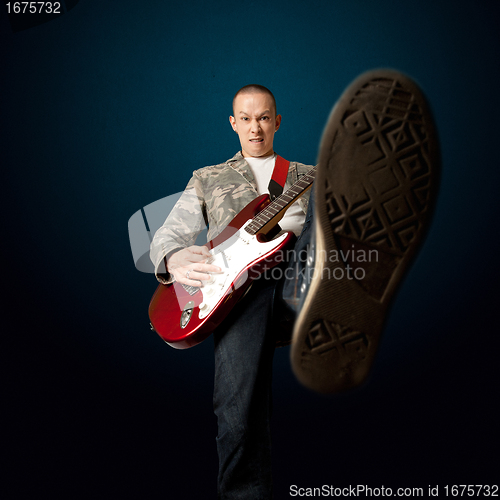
pixel 264 117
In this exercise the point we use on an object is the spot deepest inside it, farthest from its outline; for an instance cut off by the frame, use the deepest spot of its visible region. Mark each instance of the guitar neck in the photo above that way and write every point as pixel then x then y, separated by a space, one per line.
pixel 273 213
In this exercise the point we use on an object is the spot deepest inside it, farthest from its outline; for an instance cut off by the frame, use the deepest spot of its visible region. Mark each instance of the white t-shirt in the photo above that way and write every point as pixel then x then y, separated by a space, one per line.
pixel 262 169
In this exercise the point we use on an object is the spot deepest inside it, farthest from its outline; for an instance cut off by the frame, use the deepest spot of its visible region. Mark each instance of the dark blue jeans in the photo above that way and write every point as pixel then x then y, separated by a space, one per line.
pixel 244 350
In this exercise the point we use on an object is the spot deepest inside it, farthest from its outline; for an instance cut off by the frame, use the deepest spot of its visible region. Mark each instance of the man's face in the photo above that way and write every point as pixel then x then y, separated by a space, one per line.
pixel 255 122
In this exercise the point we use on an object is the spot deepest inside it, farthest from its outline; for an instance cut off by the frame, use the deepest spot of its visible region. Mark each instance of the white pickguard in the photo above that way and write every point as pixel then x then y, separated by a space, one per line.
pixel 232 256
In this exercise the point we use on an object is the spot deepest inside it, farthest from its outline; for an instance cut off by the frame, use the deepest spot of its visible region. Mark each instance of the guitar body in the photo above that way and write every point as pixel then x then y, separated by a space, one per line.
pixel 185 316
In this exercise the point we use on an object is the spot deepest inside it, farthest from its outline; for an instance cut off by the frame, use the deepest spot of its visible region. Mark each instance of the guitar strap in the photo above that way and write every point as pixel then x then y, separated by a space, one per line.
pixel 278 178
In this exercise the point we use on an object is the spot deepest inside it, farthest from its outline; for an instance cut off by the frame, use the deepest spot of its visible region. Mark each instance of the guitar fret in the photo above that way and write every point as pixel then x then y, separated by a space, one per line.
pixel 279 204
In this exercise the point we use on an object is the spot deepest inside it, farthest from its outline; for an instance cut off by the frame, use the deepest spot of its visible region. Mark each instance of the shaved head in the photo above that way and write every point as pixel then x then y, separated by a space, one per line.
pixel 256 89
pixel 255 120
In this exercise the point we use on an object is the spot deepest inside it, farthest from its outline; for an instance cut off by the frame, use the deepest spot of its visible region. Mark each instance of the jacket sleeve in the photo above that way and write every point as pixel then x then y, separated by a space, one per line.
pixel 181 228
pixel 304 199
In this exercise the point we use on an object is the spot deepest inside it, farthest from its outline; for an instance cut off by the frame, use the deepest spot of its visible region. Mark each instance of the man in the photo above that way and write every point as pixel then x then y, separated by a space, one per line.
pixel 372 197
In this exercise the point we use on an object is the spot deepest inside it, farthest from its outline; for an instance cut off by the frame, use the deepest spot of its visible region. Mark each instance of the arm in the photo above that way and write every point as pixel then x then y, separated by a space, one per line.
pixel 172 251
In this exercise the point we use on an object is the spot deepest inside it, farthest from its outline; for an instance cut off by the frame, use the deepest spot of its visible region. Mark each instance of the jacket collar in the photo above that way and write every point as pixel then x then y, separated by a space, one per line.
pixel 239 163
pixel 241 166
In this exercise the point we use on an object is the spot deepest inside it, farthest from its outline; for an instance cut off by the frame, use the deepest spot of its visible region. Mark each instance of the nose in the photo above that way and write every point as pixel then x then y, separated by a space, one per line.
pixel 255 126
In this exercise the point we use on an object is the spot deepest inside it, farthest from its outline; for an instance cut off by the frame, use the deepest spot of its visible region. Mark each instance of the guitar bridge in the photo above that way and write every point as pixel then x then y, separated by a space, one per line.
pixel 190 289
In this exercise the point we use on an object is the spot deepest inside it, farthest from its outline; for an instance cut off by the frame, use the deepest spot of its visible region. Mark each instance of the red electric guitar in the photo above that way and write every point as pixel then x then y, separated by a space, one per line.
pixel 184 316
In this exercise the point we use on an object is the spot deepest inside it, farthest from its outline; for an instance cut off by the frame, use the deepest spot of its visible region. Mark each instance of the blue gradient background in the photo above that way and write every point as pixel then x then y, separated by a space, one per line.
pixel 109 108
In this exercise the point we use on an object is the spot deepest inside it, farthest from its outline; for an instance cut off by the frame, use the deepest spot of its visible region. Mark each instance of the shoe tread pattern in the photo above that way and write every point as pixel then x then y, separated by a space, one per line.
pixel 376 186
pixel 388 211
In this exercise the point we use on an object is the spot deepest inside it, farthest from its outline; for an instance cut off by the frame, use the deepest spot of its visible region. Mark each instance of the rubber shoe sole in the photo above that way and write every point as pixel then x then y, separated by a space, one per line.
pixel 375 190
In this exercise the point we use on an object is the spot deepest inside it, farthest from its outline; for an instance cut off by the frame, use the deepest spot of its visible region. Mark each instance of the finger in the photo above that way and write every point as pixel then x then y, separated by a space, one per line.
pixel 199 276
pixel 200 264
pixel 207 268
pixel 195 258
pixel 183 280
pixel 200 250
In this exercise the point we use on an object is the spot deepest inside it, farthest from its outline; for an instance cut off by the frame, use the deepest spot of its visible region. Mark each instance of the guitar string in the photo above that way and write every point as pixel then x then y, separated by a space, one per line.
pixel 265 215
pixel 269 212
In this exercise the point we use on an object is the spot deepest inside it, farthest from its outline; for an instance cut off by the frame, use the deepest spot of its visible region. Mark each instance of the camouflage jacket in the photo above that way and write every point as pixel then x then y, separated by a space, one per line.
pixel 213 197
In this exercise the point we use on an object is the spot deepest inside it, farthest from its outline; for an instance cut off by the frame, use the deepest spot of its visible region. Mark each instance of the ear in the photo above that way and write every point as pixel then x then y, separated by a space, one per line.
pixel 278 123
pixel 232 121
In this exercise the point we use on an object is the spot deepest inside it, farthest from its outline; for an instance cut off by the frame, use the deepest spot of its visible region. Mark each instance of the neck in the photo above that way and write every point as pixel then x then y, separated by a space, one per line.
pixel 246 155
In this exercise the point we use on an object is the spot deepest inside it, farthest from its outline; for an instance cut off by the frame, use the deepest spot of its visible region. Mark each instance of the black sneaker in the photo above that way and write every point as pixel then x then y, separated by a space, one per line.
pixel 375 190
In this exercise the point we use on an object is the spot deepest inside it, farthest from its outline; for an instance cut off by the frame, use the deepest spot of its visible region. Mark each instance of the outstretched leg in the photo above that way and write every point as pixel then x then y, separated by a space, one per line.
pixel 374 194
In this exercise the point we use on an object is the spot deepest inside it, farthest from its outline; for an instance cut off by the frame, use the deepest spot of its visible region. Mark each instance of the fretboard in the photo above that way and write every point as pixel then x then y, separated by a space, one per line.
pixel 281 203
